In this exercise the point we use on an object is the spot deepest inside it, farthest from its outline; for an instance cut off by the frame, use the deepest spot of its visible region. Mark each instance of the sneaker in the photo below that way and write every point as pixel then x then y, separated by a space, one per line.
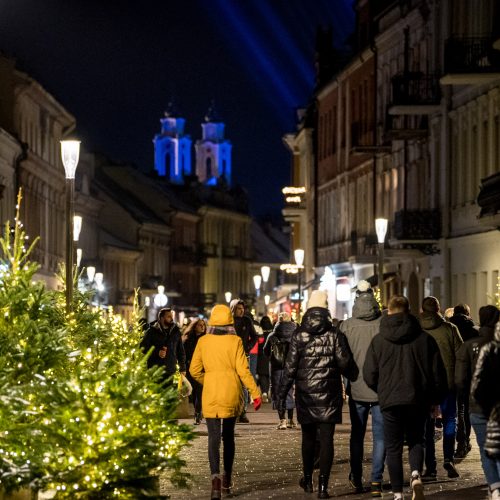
pixel 495 494
pixel 356 483
pixel 282 425
pixel 417 487
pixel 197 418
pixel 376 489
pixel 243 419
pixel 291 424
pixel 449 466
pixel 265 398
pixel 429 475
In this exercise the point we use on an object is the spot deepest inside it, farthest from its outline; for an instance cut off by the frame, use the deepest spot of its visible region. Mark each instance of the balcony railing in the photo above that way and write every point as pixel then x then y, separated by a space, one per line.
pixel 208 250
pixel 417 225
pixel 415 89
pixel 406 127
pixel 471 55
pixel 231 251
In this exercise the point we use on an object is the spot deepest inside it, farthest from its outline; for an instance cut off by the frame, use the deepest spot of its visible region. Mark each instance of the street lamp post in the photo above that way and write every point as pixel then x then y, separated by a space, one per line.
pixel 265 271
pixel 381 229
pixel 299 260
pixel 257 281
pixel 70 153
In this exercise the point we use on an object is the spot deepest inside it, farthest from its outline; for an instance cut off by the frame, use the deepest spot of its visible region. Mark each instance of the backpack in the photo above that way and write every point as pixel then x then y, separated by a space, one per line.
pixel 279 350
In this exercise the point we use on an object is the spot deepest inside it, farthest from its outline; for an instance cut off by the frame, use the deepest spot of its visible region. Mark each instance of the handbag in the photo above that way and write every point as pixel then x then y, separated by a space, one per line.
pixel 184 387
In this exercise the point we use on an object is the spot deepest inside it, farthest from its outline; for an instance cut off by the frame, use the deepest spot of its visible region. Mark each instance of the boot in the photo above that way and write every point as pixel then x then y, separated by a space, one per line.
pixel 323 486
pixel 226 483
pixel 197 418
pixel 306 483
pixel 216 488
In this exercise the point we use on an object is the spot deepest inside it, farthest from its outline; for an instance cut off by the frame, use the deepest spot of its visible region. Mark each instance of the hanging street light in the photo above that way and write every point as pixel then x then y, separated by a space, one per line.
pixel 381 229
pixel 299 261
pixel 228 296
pixel 160 299
pixel 70 154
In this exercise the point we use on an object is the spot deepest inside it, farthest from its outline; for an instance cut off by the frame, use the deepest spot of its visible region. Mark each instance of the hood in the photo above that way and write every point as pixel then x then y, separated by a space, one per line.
pixel 234 303
pixel 487 333
pixel 284 330
pixel 366 307
pixel 462 321
pixel 316 320
pixel 400 328
pixel 431 321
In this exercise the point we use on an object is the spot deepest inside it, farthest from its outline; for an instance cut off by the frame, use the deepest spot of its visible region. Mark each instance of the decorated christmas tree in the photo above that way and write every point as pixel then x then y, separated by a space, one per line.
pixel 80 413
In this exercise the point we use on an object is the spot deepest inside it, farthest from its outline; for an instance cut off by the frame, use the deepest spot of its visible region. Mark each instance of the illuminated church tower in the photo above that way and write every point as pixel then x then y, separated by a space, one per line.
pixel 213 152
pixel 172 147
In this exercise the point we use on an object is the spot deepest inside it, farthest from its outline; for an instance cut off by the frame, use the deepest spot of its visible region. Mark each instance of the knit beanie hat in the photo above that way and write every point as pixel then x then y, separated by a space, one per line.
pixel 318 298
pixel 488 315
pixel 220 316
pixel 363 287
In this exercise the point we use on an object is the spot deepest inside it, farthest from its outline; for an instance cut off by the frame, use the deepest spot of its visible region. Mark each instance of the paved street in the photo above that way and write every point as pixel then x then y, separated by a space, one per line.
pixel 268 465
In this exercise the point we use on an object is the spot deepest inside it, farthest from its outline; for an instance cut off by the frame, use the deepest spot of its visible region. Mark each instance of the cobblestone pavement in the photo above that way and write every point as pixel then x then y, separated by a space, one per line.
pixel 268 466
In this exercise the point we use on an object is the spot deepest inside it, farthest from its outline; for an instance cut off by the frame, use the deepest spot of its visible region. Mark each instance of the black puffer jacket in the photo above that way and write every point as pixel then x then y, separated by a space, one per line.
pixel 318 356
pixel 485 381
pixel 403 364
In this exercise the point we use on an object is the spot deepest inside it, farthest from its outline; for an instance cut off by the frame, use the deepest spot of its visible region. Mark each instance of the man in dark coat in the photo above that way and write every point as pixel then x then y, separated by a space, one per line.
pixel 243 325
pixel 448 339
pixel 164 337
pixel 404 367
pixel 317 358
pixel 462 320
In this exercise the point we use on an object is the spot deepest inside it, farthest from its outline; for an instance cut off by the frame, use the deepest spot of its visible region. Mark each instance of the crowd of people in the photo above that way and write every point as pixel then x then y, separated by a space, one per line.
pixel 412 373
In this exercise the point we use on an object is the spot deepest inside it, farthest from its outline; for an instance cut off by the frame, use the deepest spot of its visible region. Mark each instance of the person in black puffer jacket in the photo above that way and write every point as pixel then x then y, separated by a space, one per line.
pixel 282 334
pixel 404 367
pixel 467 360
pixel 318 356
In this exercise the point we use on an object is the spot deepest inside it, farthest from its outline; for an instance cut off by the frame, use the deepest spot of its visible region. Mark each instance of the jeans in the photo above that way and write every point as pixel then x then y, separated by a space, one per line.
pixel 359 412
pixel 216 431
pixel 309 433
pixel 400 422
pixel 491 467
pixel 263 382
pixel 252 362
pixel 449 417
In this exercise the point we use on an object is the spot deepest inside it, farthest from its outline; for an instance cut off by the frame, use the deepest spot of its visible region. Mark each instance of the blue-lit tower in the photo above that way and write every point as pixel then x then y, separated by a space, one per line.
pixel 213 152
pixel 172 147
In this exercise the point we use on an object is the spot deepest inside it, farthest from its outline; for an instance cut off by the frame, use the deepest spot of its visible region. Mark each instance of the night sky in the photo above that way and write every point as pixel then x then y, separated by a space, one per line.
pixel 116 64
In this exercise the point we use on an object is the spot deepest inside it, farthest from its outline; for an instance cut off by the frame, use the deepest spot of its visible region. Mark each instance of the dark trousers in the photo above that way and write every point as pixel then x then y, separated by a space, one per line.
pixel 221 428
pixel 400 422
pixel 463 420
pixel 309 432
pixel 196 395
pixel 263 382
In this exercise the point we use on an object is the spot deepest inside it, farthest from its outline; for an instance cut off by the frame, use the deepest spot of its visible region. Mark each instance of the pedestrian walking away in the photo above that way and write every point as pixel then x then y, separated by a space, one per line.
pixel 243 325
pixel 263 359
pixel 163 338
pixel 318 356
pixel 359 331
pixel 467 358
pixel 448 339
pixel 403 366
pixel 220 364
pixel 276 347
pixel 191 335
pixel 461 318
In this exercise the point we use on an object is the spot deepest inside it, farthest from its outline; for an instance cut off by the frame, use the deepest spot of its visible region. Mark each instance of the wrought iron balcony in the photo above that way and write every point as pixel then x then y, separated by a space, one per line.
pixel 362 141
pixel 208 250
pixel 489 201
pixel 469 60
pixel 405 128
pixel 415 94
pixel 417 225
pixel 231 251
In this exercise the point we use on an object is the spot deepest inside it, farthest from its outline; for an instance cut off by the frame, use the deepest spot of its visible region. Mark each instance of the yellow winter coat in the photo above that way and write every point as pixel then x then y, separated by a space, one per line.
pixel 220 364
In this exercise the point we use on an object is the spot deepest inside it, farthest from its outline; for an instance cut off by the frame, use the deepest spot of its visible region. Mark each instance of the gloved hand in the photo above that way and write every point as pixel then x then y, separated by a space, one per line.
pixel 257 403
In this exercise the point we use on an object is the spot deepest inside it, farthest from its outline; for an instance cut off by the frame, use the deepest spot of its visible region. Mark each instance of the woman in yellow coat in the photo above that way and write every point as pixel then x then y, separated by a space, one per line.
pixel 220 364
